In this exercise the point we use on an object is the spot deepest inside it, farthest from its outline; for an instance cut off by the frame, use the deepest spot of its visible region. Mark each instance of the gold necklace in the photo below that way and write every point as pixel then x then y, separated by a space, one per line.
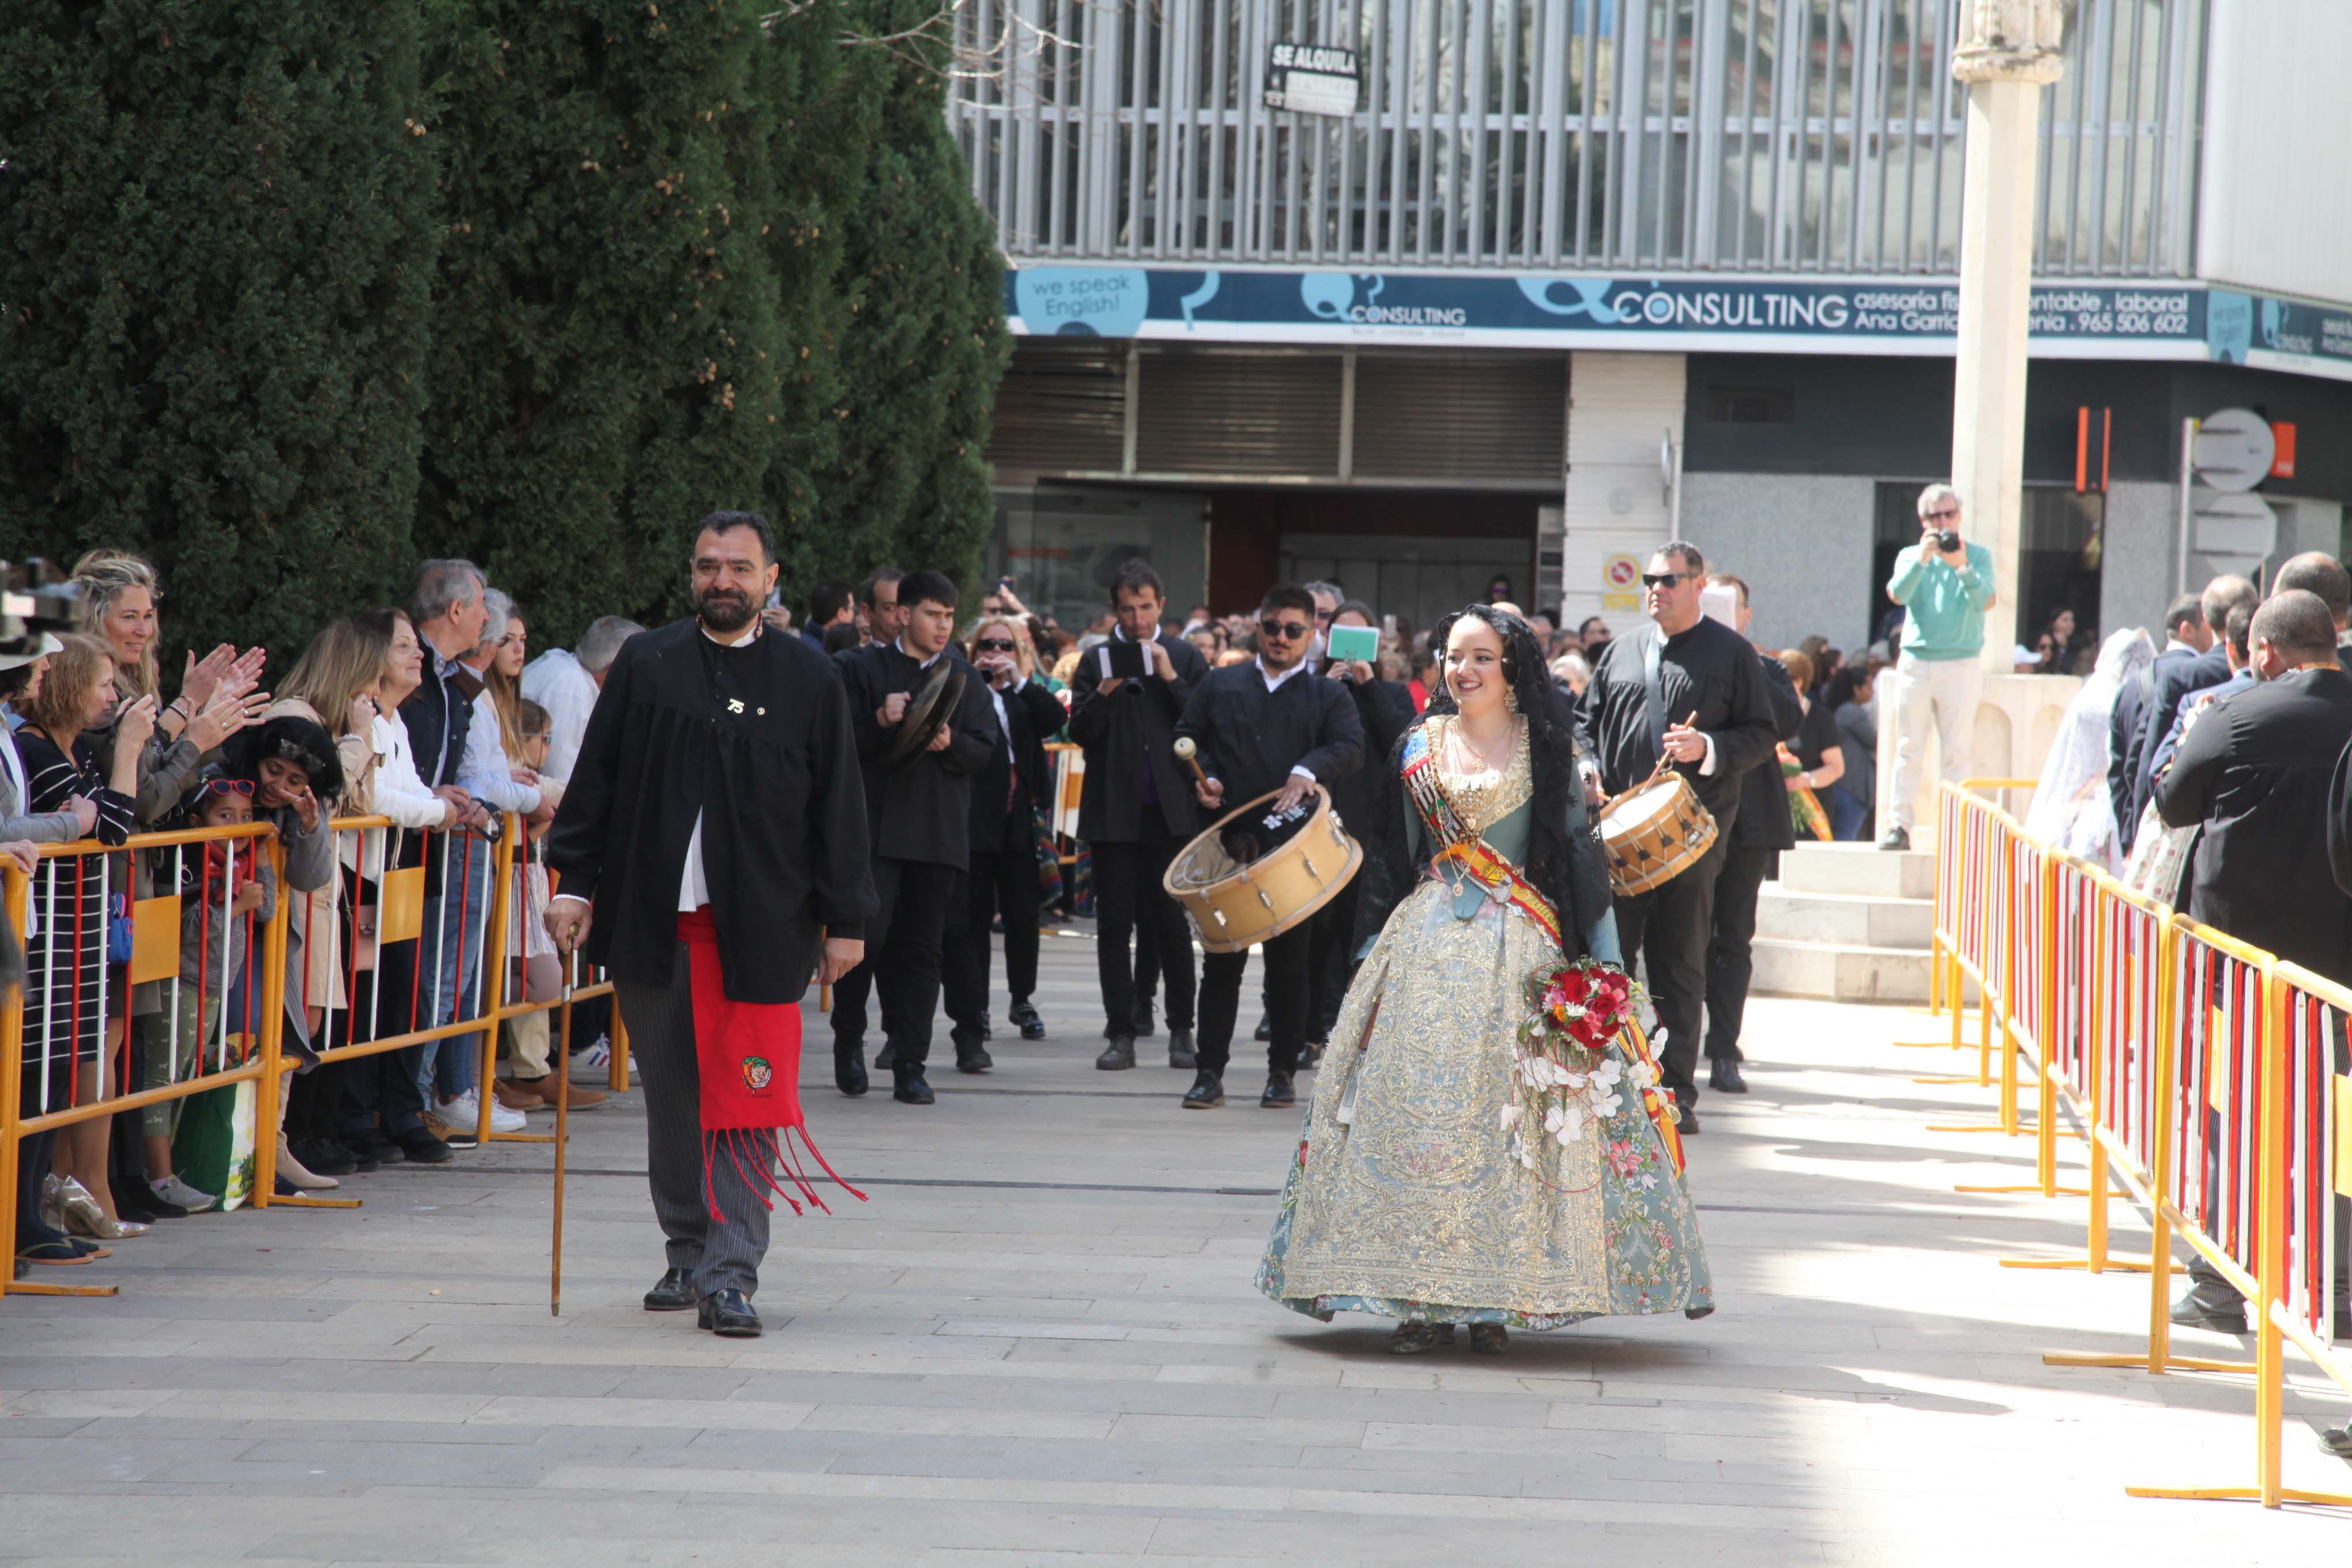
pixel 1486 762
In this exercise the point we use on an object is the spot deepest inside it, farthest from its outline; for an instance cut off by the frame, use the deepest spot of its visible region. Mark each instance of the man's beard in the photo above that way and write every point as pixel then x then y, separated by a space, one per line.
pixel 724 609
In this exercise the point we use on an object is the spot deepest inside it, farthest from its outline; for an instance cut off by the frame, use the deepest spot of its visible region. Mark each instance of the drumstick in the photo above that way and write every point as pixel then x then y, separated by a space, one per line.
pixel 1188 754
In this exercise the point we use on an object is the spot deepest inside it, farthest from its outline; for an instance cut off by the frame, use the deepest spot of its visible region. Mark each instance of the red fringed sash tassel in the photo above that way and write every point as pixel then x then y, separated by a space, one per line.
pixel 749 1058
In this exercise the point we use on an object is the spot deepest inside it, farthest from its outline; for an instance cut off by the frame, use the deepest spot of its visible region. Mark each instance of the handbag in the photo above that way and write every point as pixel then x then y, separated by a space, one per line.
pixel 118 929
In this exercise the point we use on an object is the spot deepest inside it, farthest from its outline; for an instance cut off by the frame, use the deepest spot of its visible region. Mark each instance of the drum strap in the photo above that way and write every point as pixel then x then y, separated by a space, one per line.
pixel 1652 650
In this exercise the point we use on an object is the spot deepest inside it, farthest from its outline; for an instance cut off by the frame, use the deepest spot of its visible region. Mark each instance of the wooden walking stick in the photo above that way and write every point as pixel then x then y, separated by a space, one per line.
pixel 562 1144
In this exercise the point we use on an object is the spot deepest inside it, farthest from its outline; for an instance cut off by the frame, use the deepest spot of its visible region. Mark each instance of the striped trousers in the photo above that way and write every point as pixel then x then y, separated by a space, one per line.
pixel 661 1046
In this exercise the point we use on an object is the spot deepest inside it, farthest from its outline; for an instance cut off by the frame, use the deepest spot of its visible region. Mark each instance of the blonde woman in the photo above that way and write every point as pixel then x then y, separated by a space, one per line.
pixel 334 685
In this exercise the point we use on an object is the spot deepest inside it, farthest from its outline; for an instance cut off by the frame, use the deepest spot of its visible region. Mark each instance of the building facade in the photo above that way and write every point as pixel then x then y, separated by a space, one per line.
pixel 1416 293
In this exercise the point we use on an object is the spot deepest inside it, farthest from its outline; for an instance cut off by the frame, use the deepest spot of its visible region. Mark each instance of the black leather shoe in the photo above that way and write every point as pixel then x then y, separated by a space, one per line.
pixel 2335 1442
pixel 911 1088
pixel 324 1157
pixel 1143 1020
pixel 1895 839
pixel 1207 1093
pixel 974 1059
pixel 1723 1076
pixel 1024 1014
pixel 424 1149
pixel 1180 1053
pixel 1688 1122
pixel 849 1068
pixel 673 1294
pixel 1310 1054
pixel 727 1314
pixel 886 1059
pixel 1117 1055
pixel 1278 1091
pixel 1265 1030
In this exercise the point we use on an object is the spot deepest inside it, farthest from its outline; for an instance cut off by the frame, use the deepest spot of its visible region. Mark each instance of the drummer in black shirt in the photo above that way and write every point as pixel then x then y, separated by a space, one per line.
pixel 1712 718
pixel 1266 725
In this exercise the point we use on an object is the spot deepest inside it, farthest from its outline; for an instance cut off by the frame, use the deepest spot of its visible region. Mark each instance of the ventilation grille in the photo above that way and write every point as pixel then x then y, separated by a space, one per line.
pixel 1242 413
pixel 1461 417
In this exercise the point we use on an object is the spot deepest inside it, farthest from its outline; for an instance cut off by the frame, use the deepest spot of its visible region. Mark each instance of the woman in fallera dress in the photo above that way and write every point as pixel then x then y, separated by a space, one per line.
pixel 1469 1157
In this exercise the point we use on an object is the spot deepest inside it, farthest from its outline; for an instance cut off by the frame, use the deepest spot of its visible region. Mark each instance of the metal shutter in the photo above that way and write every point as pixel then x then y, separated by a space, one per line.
pixel 1061 408
pixel 1469 417
pixel 1239 412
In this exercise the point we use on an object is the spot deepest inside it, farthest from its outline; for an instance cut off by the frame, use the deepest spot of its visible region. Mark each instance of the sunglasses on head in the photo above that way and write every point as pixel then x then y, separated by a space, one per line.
pixel 994 645
pixel 1665 579
pixel 1289 629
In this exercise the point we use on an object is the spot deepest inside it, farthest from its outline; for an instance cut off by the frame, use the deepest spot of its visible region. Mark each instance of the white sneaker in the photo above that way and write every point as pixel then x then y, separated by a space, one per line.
pixel 466 1111
pixel 173 1190
pixel 593 1065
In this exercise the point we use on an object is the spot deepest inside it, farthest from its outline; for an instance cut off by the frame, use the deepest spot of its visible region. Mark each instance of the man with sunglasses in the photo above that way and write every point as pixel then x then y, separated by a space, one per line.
pixel 1136 810
pixel 1945 586
pixel 1690 693
pixel 1266 727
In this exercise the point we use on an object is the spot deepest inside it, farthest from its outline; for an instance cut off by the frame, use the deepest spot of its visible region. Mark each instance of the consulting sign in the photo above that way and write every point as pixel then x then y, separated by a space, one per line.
pixel 2159 321
pixel 1311 78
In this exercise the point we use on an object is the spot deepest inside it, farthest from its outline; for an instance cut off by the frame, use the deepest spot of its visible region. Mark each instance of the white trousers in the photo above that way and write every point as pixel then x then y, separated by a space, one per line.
pixel 1938 692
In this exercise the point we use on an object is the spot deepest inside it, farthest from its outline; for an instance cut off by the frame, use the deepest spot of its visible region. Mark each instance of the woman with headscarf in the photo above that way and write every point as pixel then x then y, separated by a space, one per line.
pixel 1461 1163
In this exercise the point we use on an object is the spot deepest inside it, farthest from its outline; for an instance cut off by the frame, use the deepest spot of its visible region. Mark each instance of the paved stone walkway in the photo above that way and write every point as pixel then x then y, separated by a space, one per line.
pixel 1038 1344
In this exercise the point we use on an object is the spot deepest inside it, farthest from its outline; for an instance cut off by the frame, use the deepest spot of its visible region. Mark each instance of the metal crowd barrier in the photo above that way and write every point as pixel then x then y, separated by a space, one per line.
pixel 2208 1078
pixel 388 889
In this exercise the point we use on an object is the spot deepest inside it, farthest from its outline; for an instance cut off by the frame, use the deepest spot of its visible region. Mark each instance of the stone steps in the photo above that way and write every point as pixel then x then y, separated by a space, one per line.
pixel 1847 923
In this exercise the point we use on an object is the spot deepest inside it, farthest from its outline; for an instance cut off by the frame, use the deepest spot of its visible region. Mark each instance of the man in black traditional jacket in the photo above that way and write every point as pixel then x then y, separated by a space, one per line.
pixel 716 802
pixel 920 807
pixel 1266 725
pixel 1692 690
pixel 1136 811
pixel 2256 769
pixel 2176 680
pixel 1751 851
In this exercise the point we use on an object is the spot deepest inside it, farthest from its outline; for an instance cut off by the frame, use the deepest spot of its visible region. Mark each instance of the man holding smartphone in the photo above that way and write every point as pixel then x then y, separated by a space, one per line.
pixel 1945 586
pixel 1136 808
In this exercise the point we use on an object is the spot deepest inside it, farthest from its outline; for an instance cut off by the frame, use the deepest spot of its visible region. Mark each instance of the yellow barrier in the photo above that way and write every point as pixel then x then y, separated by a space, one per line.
pixel 369 868
pixel 2210 1076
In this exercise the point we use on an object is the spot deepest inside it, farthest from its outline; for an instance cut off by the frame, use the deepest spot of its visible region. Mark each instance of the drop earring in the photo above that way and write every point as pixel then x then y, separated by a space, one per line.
pixel 1510 699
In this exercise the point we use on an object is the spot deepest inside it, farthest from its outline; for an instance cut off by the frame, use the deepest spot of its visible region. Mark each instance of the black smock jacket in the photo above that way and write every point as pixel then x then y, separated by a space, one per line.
pixel 1710 669
pixel 1764 821
pixel 1015 783
pixel 755 740
pixel 1384 707
pixel 1251 739
pixel 1125 735
pixel 2256 770
pixel 921 809
pixel 2172 682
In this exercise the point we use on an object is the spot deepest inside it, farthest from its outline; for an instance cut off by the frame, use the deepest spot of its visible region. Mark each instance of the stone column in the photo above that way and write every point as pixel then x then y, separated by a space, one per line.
pixel 2007 52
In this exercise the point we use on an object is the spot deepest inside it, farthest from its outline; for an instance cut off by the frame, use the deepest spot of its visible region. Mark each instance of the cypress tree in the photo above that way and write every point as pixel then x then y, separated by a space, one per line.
pixel 215 248
pixel 926 343
pixel 608 366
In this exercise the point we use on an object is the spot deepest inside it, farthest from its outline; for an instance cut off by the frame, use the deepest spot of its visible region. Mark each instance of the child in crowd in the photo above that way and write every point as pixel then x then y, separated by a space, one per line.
pixel 529 1038
pixel 227 893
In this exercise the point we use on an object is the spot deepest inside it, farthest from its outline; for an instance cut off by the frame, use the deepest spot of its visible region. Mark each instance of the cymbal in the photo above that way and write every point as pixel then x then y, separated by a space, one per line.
pixel 927 710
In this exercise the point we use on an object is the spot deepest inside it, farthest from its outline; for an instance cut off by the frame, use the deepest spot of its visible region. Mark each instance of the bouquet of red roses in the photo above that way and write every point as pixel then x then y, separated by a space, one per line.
pixel 1563 1075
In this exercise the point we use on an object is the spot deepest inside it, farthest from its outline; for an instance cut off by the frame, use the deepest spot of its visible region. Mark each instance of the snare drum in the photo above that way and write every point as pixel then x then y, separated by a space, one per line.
pixel 1655 832
pixel 1234 905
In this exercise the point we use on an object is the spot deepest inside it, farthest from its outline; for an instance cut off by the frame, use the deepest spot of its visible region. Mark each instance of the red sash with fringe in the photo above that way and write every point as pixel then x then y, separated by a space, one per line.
pixel 749 1058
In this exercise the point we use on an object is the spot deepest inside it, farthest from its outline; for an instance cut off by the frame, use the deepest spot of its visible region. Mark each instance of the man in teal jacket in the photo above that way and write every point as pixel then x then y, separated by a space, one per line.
pixel 1937 676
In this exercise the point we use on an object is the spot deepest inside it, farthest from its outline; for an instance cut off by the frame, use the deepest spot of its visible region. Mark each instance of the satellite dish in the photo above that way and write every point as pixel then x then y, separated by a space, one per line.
pixel 2233 449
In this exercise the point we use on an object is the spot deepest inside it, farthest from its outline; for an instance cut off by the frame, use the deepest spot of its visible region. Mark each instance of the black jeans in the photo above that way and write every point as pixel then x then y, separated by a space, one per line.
pixel 1331 962
pixel 382 1089
pixel 1001 880
pixel 1731 951
pixel 1130 903
pixel 902 960
pixel 1287 996
pixel 1669 927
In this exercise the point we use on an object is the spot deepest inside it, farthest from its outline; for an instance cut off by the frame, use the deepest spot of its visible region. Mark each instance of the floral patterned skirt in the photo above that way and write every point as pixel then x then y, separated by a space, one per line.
pixel 1404 1200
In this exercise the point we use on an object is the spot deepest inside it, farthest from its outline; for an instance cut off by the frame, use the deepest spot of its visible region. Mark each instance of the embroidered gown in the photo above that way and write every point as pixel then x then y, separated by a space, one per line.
pixel 1405 1199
